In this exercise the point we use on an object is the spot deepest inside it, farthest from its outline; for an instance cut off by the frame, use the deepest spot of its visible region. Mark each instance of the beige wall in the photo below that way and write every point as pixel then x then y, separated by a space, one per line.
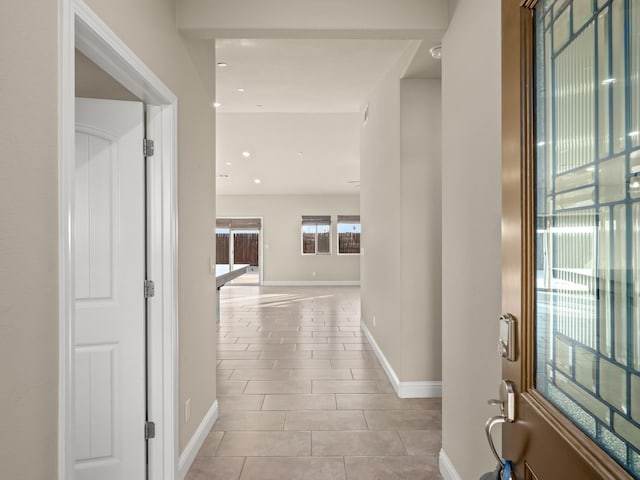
pixel 28 240
pixel 380 215
pixel 400 204
pixel 310 18
pixel 420 244
pixel 281 214
pixel 93 82
pixel 148 28
pixel 471 231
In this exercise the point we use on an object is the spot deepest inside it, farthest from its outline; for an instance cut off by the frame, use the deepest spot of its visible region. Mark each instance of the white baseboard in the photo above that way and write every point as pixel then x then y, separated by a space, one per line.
pixel 422 389
pixel 447 470
pixel 426 389
pixel 199 436
pixel 311 283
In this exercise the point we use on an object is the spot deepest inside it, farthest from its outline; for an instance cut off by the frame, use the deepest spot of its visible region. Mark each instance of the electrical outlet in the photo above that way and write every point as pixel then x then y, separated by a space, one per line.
pixel 374 321
pixel 212 265
pixel 187 410
pixel 313 274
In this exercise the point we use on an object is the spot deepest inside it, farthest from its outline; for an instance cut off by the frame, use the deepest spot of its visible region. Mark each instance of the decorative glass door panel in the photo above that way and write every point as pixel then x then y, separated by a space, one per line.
pixel 588 218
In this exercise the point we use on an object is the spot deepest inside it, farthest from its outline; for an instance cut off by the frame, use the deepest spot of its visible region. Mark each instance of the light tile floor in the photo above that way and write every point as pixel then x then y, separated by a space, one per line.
pixel 302 396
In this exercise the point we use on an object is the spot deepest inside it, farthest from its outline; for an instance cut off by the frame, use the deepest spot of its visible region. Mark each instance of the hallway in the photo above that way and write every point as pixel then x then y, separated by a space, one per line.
pixel 302 395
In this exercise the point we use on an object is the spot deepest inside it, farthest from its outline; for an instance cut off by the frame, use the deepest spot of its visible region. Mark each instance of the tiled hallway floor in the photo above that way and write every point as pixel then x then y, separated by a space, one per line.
pixel 302 396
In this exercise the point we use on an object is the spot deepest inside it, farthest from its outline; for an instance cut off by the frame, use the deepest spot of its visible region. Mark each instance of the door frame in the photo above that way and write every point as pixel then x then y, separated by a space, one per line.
pixel 79 27
pixel 535 415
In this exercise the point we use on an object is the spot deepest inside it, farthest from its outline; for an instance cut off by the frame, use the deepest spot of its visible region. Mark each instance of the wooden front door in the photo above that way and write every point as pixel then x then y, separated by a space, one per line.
pixel 571 236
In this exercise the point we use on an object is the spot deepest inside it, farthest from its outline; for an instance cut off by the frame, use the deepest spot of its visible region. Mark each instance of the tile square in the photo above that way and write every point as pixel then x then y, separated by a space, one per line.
pixel 231 355
pixel 360 364
pixel 325 420
pixel 228 403
pixel 285 355
pixel 237 364
pixel 303 339
pixel 403 420
pixel 386 402
pixel 422 442
pixel 265 444
pixel 338 354
pixel 369 374
pixel 249 420
pixel 392 468
pixel 294 468
pixel 299 402
pixel 210 445
pixel 357 346
pixel 320 346
pixel 356 443
pixel 294 363
pixel 278 386
pixel 261 374
pixel 345 386
pixel 230 388
pixel 215 468
pixel 271 347
pixel 322 374
pixel 232 347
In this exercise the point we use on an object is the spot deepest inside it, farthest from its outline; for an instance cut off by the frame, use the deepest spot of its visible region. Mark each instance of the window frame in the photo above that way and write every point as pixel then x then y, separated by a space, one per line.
pixel 320 223
pixel 348 220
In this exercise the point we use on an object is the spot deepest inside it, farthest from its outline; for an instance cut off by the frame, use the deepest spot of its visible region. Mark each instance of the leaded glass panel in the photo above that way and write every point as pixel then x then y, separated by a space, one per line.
pixel 588 218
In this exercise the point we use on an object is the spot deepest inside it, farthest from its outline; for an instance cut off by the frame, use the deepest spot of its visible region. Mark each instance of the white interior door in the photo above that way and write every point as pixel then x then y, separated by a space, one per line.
pixel 110 403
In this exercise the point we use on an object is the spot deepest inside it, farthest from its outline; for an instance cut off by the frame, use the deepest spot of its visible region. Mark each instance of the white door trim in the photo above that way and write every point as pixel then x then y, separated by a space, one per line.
pixel 80 27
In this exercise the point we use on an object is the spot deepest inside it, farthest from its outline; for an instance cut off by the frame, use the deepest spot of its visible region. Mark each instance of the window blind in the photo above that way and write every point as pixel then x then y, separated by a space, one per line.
pixel 316 220
pixel 239 223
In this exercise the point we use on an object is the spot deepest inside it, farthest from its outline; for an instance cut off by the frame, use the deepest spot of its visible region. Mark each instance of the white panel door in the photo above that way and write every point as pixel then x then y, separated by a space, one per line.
pixel 110 359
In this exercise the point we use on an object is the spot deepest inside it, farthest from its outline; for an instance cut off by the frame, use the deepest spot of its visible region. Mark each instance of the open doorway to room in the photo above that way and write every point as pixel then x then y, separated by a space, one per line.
pixel 101 435
pixel 239 242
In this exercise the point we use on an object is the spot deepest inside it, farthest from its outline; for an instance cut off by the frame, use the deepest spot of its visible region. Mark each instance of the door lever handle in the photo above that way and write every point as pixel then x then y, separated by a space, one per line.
pixel 507 413
pixel 492 422
pixel 500 404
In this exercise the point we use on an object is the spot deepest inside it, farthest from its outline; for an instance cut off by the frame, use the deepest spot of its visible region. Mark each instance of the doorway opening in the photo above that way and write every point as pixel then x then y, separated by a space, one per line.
pixel 239 242
pixel 82 30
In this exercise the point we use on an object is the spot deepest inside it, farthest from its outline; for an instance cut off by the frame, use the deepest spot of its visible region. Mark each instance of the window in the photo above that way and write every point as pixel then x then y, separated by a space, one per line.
pixel 316 235
pixel 348 234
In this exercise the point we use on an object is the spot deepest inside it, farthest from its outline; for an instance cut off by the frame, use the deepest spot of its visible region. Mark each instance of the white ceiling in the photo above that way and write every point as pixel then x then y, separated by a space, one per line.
pixel 300 75
pixel 310 93
pixel 291 153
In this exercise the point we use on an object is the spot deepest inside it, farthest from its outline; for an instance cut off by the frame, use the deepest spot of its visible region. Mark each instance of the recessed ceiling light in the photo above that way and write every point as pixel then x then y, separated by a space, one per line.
pixel 223 64
pixel 240 90
pixel 257 180
pixel 246 154
pixel 228 164
pixel 259 106
pixel 299 154
pixel 216 104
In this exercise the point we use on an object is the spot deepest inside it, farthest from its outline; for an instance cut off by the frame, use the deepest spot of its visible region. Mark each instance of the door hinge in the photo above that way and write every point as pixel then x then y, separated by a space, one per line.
pixel 149 289
pixel 147 147
pixel 149 430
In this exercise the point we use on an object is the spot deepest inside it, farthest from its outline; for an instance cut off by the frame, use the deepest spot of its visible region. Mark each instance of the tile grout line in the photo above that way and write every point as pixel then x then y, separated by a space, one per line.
pixel 244 462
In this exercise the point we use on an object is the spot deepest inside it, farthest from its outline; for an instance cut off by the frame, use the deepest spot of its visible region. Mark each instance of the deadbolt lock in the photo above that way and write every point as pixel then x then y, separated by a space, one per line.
pixel 507 340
